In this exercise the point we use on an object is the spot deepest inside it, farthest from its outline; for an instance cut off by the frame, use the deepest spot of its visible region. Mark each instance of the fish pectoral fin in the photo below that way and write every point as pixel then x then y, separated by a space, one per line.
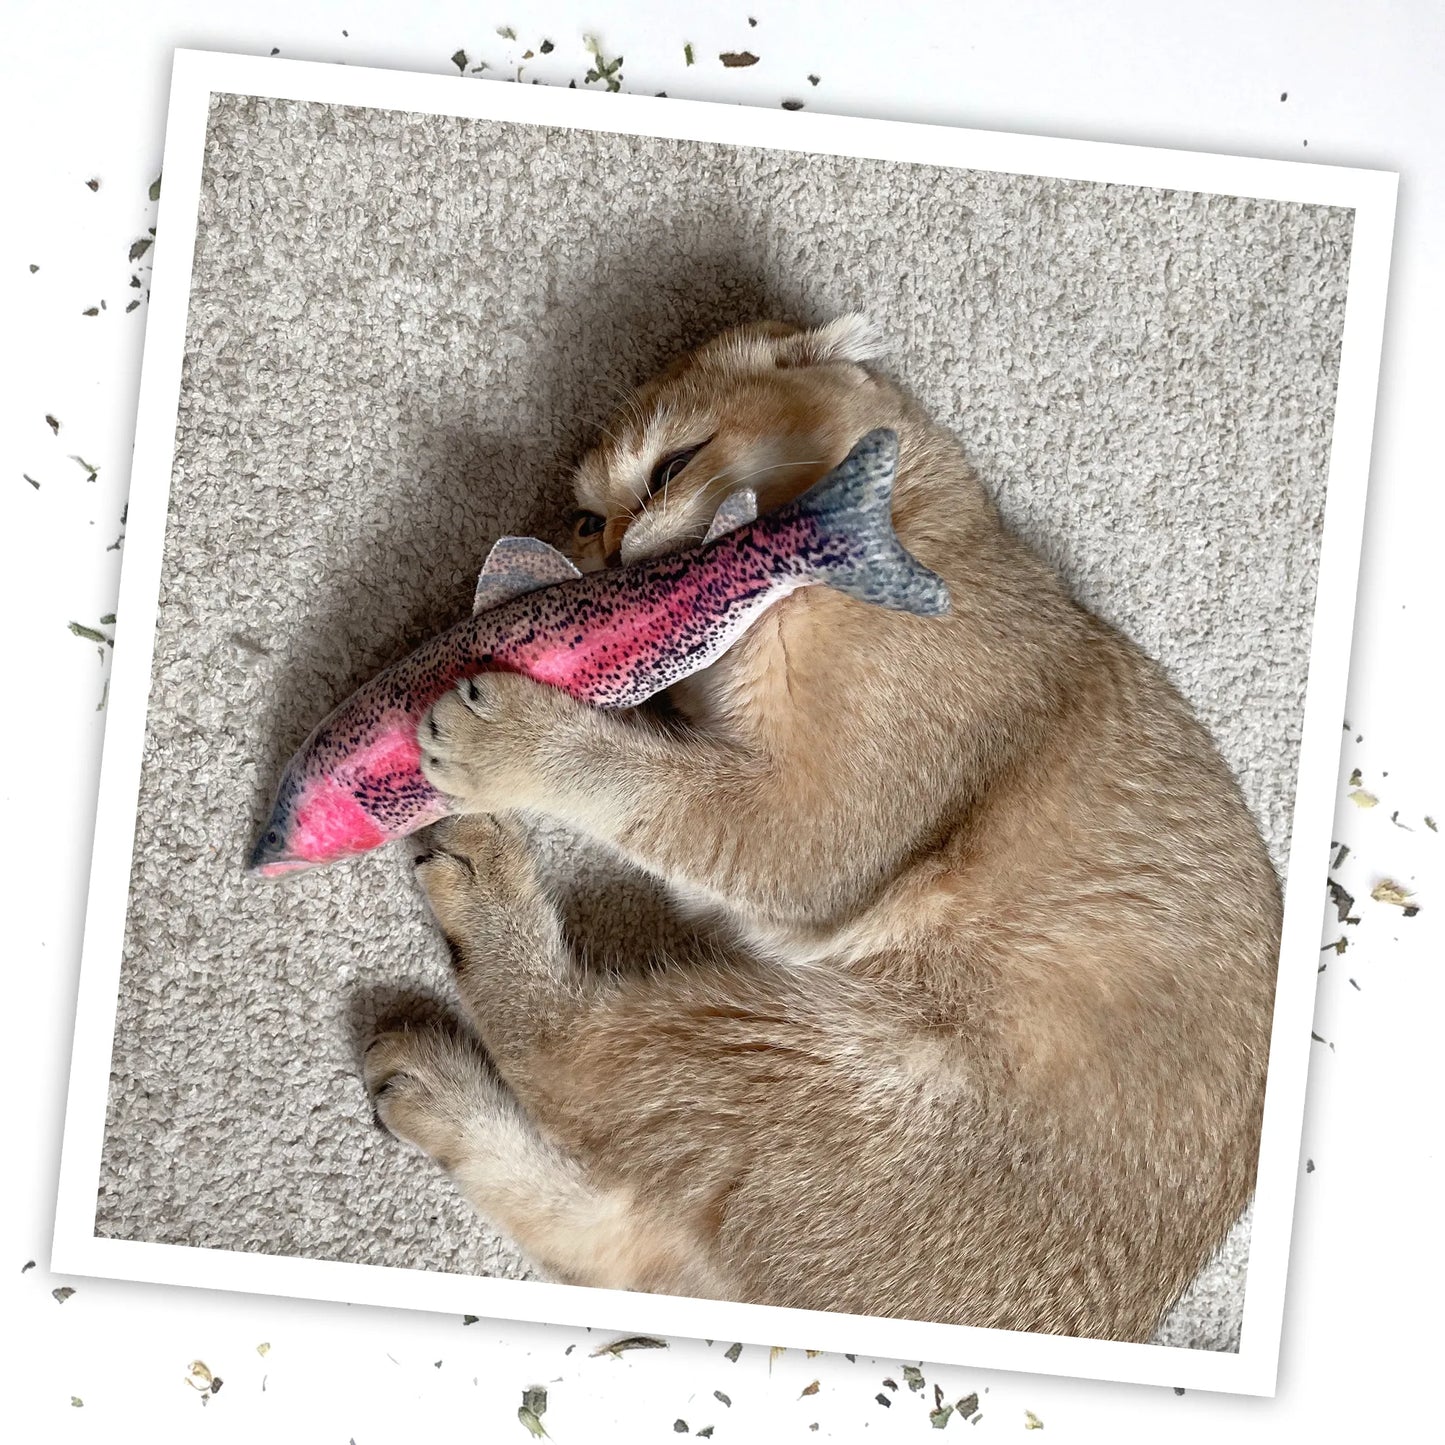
pixel 737 510
pixel 516 565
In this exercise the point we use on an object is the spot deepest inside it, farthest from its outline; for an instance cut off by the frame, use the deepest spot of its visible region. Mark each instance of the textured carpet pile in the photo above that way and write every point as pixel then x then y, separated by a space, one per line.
pixel 402 330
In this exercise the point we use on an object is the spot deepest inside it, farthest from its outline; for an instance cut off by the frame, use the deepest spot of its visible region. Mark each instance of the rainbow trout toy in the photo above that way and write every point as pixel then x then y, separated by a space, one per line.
pixel 611 638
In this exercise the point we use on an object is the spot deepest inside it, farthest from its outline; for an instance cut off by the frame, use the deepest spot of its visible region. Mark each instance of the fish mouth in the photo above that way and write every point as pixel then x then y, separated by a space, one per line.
pixel 271 858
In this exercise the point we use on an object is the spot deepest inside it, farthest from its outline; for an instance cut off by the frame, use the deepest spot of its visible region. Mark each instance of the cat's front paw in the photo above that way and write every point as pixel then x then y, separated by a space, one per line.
pixel 486 742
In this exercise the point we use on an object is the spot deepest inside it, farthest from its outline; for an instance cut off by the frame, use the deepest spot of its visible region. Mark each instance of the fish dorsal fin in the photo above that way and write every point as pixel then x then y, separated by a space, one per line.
pixel 516 565
pixel 737 510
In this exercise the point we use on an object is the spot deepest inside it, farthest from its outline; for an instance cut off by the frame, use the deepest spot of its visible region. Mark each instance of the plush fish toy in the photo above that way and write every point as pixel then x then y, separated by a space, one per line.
pixel 611 638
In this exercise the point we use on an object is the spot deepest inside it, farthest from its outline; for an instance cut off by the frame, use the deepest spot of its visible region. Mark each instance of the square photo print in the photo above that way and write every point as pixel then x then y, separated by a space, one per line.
pixel 759 690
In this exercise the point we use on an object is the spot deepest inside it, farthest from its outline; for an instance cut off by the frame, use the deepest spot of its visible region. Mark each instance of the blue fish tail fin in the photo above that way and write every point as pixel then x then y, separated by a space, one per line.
pixel 859 553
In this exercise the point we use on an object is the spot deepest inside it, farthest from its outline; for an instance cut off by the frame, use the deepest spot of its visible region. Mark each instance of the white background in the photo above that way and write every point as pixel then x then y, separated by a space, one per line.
pixel 84 89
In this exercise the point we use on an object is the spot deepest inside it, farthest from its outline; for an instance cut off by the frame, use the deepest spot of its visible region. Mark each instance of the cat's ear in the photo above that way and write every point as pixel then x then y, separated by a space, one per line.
pixel 853 337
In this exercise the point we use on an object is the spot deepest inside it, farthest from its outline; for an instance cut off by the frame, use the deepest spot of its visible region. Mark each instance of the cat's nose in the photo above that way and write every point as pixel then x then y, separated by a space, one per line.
pixel 613 559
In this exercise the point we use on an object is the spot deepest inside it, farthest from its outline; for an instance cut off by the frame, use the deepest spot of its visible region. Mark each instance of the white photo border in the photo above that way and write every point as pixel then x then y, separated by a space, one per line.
pixel 196 77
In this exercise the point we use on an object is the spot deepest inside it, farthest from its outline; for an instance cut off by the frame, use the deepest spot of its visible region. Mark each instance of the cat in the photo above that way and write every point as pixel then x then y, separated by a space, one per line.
pixel 991 1047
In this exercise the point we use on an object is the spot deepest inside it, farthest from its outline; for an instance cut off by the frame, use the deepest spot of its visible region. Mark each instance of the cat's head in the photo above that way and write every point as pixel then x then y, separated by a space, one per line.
pixel 768 406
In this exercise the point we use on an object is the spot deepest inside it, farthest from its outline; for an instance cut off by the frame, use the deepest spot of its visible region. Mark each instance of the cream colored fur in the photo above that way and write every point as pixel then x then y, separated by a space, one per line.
pixel 991 1046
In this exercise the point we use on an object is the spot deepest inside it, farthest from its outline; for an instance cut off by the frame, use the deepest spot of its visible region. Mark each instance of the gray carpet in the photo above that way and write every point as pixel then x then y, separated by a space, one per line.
pixel 400 329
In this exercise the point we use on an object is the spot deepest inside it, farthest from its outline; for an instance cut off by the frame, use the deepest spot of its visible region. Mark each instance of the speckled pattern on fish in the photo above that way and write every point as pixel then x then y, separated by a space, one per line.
pixel 612 639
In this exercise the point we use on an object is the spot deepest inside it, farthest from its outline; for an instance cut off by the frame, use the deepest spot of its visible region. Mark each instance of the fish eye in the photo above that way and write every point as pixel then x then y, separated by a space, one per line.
pixel 273 836
pixel 670 466
pixel 588 524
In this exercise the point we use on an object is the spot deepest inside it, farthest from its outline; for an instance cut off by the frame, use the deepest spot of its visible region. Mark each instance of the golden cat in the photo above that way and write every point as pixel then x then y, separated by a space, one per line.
pixel 991 1049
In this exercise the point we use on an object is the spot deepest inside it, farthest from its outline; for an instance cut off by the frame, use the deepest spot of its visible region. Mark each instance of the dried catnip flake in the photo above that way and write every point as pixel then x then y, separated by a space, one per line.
pixel 811 1389
pixel 913 1377
pixel 530 1420
pixel 939 1418
pixel 62 1294
pixel 1032 1421
pixel 687 54
pixel 459 59
pixel 732 1352
pixel 1388 891
pixel 735 59
pixel 630 1342
pixel 1361 799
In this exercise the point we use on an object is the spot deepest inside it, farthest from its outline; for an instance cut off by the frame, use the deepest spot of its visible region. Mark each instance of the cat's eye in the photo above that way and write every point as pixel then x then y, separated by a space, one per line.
pixel 588 524
pixel 670 466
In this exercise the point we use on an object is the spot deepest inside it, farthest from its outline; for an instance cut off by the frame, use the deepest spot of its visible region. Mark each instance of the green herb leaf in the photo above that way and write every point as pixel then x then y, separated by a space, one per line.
pixel 687 54
pixel 139 248
pixel 939 1418
pixel 530 1420
pixel 91 635
pixel 913 1377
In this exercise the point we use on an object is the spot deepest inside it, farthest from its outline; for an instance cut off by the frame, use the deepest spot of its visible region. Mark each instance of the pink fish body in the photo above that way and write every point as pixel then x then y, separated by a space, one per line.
pixel 611 638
